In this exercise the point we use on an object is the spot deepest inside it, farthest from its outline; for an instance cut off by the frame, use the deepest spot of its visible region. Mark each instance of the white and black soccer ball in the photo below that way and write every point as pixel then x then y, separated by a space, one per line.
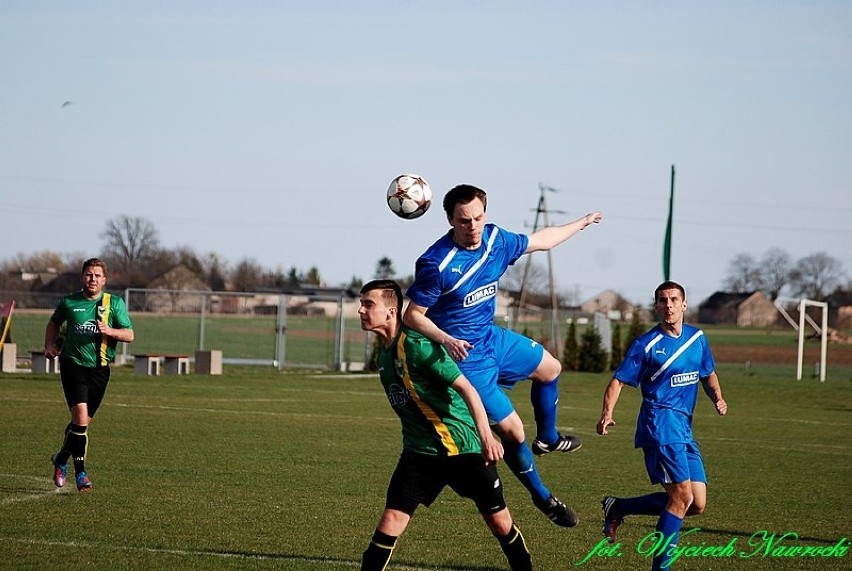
pixel 409 196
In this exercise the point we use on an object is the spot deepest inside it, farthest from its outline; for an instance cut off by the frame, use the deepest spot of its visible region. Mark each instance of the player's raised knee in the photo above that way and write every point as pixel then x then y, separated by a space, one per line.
pixel 548 369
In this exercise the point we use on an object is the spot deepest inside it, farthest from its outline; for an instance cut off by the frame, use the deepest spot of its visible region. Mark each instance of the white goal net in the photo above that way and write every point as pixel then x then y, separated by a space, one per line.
pixel 821 330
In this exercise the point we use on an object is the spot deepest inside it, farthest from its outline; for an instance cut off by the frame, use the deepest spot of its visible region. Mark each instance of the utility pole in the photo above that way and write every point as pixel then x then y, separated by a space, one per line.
pixel 541 212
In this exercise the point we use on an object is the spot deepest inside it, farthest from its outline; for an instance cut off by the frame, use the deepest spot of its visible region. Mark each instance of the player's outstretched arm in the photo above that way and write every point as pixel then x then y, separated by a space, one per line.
pixel 714 390
pixel 552 236
pixel 416 318
pixel 492 449
pixel 611 394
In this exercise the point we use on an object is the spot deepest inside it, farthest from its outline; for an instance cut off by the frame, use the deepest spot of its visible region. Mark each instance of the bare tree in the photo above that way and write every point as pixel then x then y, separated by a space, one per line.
pixel 816 275
pixel 74 260
pixel 130 242
pixel 538 282
pixel 247 275
pixel 215 270
pixel 743 274
pixel 774 271
pixel 43 261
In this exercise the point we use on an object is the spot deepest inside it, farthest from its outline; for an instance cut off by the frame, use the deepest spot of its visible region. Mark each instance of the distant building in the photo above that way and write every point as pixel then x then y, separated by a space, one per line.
pixel 311 299
pixel 610 303
pixel 840 309
pixel 747 309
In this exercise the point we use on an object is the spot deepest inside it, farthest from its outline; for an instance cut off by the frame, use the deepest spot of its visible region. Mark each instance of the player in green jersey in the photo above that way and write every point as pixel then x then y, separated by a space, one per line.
pixel 95 322
pixel 446 438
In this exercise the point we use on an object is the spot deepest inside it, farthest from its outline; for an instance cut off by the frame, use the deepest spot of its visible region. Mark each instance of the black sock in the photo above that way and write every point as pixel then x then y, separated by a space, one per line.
pixel 63 454
pixel 378 553
pixel 516 551
pixel 76 442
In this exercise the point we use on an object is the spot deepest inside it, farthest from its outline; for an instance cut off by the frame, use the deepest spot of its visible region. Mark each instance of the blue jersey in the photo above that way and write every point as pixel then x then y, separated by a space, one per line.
pixel 459 287
pixel 668 370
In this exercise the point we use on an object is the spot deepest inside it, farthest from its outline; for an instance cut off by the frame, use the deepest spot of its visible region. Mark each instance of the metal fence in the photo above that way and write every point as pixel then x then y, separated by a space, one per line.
pixel 272 329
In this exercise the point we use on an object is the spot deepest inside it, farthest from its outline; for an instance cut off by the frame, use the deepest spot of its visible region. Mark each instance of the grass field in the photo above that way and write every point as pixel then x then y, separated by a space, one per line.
pixel 263 470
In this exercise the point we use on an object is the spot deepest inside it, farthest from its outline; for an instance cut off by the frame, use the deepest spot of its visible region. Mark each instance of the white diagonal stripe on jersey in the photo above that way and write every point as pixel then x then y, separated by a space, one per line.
pixel 677 353
pixel 478 263
pixel 447 259
pixel 653 342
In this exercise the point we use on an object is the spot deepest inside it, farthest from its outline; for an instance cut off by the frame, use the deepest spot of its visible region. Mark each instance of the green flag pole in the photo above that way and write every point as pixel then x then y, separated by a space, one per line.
pixel 667 243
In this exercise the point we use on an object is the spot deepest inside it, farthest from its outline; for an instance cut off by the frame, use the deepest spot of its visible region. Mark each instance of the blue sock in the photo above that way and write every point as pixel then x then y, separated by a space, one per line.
pixel 651 504
pixel 520 460
pixel 544 397
pixel 669 525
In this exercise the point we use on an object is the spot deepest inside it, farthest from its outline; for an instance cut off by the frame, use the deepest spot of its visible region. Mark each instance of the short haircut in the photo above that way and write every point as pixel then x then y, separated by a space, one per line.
pixel 94 263
pixel 462 194
pixel 669 285
pixel 391 292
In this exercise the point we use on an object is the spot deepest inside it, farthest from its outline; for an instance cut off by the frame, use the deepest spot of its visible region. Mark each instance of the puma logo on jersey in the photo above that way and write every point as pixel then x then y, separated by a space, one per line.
pixel 660 352
pixel 456 270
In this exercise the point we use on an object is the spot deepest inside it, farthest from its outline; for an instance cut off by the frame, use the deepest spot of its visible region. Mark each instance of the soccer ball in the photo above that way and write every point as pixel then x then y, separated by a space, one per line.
pixel 409 196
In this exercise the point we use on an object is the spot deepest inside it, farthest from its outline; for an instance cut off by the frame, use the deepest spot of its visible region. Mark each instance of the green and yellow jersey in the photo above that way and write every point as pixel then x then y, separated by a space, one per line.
pixel 84 345
pixel 416 374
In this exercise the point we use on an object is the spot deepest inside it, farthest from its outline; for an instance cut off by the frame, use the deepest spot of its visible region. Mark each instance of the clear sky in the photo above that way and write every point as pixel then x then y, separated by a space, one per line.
pixel 271 130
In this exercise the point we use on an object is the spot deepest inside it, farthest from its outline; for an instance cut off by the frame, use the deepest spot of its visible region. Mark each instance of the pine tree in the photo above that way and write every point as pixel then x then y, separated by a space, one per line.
pixel 617 353
pixel 571 353
pixel 636 329
pixel 593 357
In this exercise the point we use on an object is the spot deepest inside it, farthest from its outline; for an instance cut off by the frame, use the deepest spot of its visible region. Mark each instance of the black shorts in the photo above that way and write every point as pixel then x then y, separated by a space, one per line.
pixel 84 384
pixel 419 478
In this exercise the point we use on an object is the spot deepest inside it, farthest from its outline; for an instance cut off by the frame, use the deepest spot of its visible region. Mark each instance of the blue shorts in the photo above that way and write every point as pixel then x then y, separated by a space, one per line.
pixel 674 463
pixel 503 359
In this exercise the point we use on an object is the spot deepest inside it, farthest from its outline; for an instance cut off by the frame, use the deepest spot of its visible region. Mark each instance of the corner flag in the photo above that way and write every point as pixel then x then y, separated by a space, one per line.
pixel 667 243
pixel 6 310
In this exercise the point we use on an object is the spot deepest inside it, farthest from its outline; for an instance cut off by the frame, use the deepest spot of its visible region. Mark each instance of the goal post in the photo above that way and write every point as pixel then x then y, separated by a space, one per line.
pixel 823 333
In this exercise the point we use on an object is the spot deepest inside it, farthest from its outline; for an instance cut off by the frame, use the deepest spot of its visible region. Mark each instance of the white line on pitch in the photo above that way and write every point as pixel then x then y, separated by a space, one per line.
pixel 32 496
pixel 204 553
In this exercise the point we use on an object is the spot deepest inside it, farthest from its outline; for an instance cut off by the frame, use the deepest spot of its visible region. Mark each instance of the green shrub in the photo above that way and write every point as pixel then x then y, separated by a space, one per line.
pixel 593 357
pixel 571 352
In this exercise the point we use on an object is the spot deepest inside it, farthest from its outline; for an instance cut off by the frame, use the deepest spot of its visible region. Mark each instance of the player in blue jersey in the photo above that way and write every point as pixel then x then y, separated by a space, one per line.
pixel 452 302
pixel 666 363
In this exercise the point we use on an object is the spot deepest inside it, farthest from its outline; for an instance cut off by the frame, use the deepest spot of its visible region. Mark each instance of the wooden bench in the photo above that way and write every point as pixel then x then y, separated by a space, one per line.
pixel 176 364
pixel 41 364
pixel 146 364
